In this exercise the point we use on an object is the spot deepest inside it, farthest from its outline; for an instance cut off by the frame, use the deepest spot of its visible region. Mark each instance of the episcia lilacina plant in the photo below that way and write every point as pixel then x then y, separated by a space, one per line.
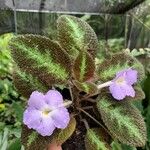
pixel 100 95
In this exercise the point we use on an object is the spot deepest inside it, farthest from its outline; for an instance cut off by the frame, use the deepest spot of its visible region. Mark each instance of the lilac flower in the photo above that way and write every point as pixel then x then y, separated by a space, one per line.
pixel 121 86
pixel 46 112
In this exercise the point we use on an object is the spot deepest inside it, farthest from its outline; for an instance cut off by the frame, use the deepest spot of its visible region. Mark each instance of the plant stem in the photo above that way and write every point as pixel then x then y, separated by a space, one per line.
pixel 70 90
pixel 100 86
pixel 94 119
pixel 85 123
pixel 104 85
pixel 87 98
pixel 65 104
pixel 87 107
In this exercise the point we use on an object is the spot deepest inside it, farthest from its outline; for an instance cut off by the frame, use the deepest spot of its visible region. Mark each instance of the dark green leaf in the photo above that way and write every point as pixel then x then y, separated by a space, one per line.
pixel 123 120
pixel 118 62
pixel 15 145
pixel 26 83
pixel 18 109
pixel 75 34
pixel 96 139
pixel 41 57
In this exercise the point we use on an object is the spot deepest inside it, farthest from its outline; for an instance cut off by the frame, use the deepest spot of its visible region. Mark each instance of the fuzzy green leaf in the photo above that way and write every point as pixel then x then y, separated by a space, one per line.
pixel 123 120
pixel 41 57
pixel 87 87
pixel 118 146
pixel 95 139
pixel 34 141
pixel 75 34
pixel 120 61
pixel 26 83
pixel 83 67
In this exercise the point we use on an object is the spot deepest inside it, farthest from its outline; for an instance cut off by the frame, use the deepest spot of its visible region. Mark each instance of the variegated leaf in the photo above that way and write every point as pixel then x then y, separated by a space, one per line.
pixel 75 34
pixel 96 139
pixel 87 87
pixel 41 57
pixel 26 83
pixel 33 141
pixel 83 67
pixel 123 120
pixel 119 61
pixel 118 146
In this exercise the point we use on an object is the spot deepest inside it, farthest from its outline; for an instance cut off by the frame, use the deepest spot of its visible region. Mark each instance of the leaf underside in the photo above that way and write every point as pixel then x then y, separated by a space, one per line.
pixel 42 58
pixel 96 139
pixel 75 34
pixel 123 120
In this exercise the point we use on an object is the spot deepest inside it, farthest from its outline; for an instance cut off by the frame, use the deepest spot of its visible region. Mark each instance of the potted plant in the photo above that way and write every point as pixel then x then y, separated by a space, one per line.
pixel 73 100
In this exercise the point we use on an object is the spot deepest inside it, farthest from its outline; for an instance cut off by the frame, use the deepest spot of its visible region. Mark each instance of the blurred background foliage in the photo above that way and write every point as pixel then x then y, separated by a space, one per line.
pixel 115 32
pixel 11 102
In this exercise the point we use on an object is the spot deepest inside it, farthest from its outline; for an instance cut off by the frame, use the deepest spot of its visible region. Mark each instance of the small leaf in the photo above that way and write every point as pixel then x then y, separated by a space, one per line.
pixel 118 62
pixel 83 67
pixel 87 87
pixel 41 57
pixel 95 139
pixel 123 120
pixel 75 34
pixel 26 83
pixel 18 109
pixel 34 141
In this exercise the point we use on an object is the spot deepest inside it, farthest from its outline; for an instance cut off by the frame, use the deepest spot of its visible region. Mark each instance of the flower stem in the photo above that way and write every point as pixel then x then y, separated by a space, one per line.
pixel 85 123
pixel 65 104
pixel 104 85
pixel 70 90
pixel 87 107
pixel 93 119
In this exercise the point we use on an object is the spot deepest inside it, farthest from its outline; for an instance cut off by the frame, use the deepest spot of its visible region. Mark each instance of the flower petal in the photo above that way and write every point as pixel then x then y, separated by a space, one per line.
pixel 61 117
pixel 121 73
pixel 131 76
pixel 46 126
pixel 32 118
pixel 129 91
pixel 117 92
pixel 36 100
pixel 53 98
